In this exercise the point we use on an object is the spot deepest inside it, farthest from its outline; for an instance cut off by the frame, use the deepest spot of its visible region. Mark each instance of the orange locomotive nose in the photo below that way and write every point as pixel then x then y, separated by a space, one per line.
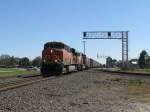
pixel 52 55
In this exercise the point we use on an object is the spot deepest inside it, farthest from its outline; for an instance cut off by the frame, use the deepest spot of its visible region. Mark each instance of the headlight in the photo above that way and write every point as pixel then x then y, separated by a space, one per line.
pixel 55 61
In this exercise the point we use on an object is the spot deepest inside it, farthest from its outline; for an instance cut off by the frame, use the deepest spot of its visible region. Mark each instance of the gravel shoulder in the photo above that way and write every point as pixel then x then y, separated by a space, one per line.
pixel 86 91
pixel 8 79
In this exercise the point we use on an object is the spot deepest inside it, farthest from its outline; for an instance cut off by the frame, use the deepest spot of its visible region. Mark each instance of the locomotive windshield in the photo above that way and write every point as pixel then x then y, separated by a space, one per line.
pixel 57 45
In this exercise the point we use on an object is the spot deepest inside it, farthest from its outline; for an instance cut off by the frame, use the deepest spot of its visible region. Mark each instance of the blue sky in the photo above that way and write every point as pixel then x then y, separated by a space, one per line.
pixel 25 25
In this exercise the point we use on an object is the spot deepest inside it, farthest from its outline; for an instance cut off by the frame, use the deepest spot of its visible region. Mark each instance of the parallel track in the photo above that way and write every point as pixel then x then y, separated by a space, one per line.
pixel 21 82
pixel 24 82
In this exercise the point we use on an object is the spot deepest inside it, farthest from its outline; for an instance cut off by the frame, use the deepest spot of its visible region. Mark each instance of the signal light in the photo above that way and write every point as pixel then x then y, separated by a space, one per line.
pixel 109 34
pixel 84 34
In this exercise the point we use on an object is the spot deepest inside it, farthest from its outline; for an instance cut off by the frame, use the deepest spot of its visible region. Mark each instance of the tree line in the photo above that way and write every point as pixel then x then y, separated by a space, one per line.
pixel 12 61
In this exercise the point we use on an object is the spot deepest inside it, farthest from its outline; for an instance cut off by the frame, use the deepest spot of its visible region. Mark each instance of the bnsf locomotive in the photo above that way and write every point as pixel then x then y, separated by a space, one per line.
pixel 58 58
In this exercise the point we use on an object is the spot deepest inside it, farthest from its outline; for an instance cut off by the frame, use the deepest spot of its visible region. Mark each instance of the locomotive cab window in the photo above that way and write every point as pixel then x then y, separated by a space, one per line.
pixel 54 45
pixel 57 45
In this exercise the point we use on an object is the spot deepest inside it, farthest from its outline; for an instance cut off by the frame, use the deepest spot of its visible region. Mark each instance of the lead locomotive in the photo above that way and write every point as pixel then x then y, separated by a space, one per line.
pixel 58 58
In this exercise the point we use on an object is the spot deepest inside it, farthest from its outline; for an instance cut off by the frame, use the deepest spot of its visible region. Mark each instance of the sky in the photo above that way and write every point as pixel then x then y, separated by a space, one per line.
pixel 25 25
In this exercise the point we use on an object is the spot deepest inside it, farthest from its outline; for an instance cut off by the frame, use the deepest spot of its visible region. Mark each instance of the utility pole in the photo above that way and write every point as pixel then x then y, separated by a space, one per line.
pixel 84 46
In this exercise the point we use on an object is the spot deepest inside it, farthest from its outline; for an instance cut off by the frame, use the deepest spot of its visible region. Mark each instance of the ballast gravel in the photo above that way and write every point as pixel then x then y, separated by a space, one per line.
pixel 8 79
pixel 86 91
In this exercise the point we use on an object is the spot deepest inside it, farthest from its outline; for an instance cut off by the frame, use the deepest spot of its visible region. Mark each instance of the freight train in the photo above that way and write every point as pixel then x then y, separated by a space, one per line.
pixel 58 58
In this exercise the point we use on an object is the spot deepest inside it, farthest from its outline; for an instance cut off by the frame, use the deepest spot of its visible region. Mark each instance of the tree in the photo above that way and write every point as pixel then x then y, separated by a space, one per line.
pixel 5 60
pixel 24 62
pixel 142 59
pixel 148 60
pixel 12 60
pixel 37 61
pixel 17 60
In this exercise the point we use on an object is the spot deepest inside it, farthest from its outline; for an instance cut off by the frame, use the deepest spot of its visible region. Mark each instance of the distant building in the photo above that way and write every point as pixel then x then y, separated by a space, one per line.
pixel 109 62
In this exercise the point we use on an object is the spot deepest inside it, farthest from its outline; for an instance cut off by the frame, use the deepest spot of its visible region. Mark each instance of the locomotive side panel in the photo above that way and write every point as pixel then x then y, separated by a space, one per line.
pixel 88 62
pixel 67 58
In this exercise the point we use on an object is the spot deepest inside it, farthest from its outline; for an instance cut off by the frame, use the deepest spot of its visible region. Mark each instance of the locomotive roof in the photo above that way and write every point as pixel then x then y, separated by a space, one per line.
pixel 57 44
pixel 54 42
pixel 62 45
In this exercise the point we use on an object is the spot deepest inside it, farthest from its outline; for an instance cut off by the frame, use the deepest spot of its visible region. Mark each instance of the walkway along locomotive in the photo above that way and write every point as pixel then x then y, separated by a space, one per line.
pixel 58 58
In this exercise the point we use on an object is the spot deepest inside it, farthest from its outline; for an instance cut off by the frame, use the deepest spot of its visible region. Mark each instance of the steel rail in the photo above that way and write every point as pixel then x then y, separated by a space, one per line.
pixel 21 82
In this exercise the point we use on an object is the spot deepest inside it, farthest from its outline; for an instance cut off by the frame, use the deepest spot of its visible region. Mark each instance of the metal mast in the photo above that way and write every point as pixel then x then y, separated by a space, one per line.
pixel 121 35
pixel 125 49
pixel 84 46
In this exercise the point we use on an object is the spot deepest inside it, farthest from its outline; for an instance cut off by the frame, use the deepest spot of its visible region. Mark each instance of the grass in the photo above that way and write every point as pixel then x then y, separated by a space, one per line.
pixel 133 70
pixel 6 72
pixel 138 70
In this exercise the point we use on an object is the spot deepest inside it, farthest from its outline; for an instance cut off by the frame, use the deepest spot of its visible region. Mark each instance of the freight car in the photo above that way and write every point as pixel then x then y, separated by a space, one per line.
pixel 58 58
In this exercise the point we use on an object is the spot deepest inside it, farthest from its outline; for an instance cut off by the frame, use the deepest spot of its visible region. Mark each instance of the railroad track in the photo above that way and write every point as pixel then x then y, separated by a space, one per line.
pixel 123 72
pixel 21 82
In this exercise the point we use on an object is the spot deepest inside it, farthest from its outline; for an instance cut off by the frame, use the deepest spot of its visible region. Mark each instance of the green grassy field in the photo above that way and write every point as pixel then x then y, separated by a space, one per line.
pixel 138 70
pixel 5 72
